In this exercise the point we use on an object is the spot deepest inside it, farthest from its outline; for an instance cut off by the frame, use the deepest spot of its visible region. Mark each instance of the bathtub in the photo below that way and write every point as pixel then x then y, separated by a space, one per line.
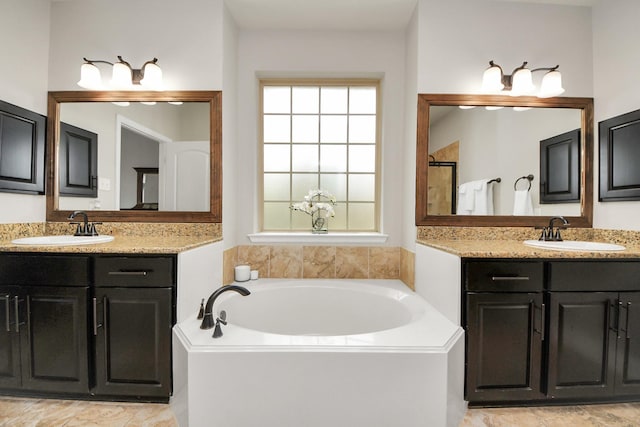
pixel 319 353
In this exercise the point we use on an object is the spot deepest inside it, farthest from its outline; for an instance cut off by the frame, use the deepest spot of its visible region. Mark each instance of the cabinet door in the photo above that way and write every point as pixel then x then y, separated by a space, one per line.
pixel 54 341
pixel 582 344
pixel 9 338
pixel 22 134
pixel 504 346
pixel 78 162
pixel 628 353
pixel 133 342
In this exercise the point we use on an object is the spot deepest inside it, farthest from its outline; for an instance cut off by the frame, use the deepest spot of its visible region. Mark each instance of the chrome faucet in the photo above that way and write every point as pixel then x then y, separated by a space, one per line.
pixel 548 233
pixel 207 319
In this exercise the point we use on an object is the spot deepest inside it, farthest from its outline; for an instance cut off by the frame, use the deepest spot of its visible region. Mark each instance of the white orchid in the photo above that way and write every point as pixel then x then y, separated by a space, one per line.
pixel 312 204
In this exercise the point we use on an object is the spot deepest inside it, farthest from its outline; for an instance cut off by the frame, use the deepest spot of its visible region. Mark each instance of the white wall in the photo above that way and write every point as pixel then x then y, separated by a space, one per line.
pixel 617 91
pixel 24 31
pixel 230 123
pixel 321 54
pixel 458 38
pixel 185 36
pixel 410 123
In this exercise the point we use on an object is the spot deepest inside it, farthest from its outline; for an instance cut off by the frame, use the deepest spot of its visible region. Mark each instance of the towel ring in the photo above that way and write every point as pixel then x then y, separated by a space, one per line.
pixel 528 178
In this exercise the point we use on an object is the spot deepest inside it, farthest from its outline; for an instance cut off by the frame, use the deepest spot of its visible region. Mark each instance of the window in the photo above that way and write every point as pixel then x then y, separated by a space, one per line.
pixel 320 135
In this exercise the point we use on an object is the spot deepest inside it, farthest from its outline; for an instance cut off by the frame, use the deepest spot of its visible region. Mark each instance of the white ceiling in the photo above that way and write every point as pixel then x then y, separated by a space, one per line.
pixel 337 14
pixel 349 15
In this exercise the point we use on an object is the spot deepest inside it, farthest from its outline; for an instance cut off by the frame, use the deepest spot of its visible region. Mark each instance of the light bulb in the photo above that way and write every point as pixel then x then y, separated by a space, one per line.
pixel 152 77
pixel 492 80
pixel 90 77
pixel 551 85
pixel 522 83
pixel 121 77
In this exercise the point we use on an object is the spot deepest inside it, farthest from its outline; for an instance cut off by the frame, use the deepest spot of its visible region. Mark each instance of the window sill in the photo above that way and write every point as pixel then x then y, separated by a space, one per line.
pixel 308 237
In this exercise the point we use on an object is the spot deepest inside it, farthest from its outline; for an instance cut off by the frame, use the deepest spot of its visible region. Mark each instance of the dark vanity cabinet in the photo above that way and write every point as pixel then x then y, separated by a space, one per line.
pixel 133 305
pixel 592 349
pixel 559 330
pixel 505 327
pixel 87 325
pixel 45 341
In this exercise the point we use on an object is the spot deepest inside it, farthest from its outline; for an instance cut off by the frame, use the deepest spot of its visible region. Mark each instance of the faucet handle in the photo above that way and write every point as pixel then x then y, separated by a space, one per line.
pixel 217 331
pixel 79 228
pixel 201 311
pixel 557 237
pixel 91 229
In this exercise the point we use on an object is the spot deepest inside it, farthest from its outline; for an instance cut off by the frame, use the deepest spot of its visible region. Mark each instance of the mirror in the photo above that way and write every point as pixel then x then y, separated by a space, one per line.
pixel 176 132
pixel 508 148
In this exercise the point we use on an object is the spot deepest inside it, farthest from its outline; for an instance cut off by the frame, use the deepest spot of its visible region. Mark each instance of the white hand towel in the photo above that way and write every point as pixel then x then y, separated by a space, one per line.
pixel 483 198
pixel 466 198
pixel 522 204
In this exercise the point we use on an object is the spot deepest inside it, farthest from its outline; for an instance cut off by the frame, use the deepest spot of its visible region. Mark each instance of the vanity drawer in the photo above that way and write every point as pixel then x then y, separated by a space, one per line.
pixel 44 270
pixel 135 271
pixel 504 276
pixel 598 275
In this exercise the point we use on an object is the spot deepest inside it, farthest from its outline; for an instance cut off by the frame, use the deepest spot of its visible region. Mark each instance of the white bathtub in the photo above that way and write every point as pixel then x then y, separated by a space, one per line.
pixel 317 353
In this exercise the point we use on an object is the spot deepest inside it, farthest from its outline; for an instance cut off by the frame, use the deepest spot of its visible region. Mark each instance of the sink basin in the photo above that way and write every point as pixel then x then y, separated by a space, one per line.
pixel 574 245
pixel 61 240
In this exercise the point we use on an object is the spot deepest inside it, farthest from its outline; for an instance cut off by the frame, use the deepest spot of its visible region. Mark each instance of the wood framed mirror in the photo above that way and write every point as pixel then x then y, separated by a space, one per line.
pixel 429 106
pixel 176 118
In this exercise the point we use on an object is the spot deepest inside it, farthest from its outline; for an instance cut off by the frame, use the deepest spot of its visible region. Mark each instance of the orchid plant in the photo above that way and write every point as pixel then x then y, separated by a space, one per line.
pixel 318 204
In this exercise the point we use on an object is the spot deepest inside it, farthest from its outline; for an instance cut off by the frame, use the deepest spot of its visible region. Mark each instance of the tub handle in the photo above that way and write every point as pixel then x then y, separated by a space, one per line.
pixel 504 278
pixel 217 330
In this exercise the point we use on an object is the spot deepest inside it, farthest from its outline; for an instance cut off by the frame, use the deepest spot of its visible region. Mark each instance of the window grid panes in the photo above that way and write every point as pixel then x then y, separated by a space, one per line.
pixel 320 135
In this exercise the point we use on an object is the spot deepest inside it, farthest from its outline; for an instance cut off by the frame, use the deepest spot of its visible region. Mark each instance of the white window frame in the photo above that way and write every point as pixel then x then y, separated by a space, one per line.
pixel 293 236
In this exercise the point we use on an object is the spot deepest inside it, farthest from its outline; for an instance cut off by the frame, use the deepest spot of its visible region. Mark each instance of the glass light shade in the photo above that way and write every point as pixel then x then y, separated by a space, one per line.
pixel 492 80
pixel 90 77
pixel 121 77
pixel 551 85
pixel 522 83
pixel 152 77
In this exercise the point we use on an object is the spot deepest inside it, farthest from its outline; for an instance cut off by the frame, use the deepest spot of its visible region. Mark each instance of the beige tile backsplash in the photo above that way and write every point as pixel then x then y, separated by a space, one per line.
pixel 343 262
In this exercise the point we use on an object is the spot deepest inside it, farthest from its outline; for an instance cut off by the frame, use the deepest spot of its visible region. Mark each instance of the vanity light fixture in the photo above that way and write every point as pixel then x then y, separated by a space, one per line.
pixel 520 81
pixel 123 75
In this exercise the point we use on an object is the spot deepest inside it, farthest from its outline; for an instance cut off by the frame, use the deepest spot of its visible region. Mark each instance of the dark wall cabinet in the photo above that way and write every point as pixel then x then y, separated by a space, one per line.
pixel 87 325
pixel 78 162
pixel 560 168
pixel 22 134
pixel 551 331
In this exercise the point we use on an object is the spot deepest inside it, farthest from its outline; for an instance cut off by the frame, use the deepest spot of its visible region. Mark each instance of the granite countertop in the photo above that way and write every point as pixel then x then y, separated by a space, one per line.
pixel 516 249
pixel 121 245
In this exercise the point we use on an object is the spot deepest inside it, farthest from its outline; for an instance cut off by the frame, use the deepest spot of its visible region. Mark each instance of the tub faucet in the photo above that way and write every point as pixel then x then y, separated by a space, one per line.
pixel 548 233
pixel 207 320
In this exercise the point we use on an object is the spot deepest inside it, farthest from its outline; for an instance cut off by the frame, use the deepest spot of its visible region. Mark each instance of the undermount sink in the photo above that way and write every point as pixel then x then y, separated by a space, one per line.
pixel 574 245
pixel 64 240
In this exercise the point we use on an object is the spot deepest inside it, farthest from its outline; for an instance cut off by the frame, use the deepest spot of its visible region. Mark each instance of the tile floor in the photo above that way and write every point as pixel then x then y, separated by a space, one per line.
pixel 15 412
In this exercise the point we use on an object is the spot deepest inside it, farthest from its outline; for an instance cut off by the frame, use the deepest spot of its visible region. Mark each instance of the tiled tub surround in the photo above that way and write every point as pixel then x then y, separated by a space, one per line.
pixel 322 262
